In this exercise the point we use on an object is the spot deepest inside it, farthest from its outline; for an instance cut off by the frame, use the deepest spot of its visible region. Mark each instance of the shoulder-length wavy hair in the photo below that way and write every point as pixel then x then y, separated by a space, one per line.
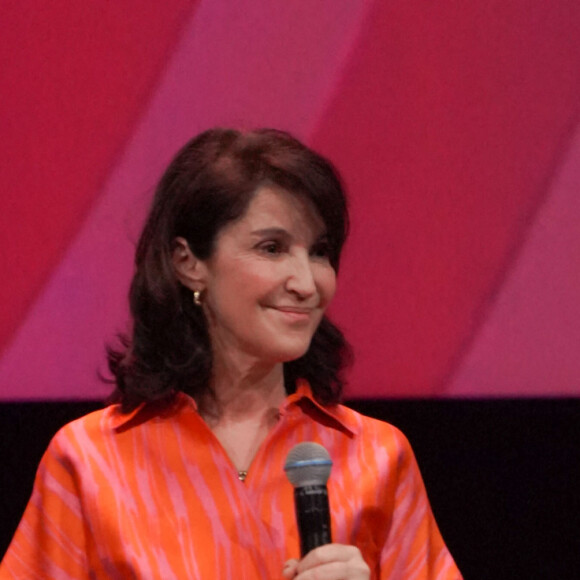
pixel 210 183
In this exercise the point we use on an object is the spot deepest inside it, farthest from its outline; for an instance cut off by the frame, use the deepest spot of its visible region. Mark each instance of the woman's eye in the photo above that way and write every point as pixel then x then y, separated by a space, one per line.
pixel 271 248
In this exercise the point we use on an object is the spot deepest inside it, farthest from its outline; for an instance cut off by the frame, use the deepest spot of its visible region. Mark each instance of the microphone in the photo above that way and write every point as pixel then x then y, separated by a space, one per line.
pixel 308 467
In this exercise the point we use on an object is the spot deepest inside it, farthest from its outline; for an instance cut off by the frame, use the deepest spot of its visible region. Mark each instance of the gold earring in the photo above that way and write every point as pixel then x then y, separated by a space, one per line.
pixel 197 297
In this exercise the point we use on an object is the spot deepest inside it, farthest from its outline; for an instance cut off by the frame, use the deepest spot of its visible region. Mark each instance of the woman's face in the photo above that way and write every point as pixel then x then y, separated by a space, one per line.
pixel 269 279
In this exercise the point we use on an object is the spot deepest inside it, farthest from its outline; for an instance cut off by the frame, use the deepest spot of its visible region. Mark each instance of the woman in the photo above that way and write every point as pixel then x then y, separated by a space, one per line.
pixel 229 364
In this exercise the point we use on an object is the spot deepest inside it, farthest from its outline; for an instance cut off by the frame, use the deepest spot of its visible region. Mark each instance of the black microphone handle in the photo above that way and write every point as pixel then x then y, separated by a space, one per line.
pixel 312 516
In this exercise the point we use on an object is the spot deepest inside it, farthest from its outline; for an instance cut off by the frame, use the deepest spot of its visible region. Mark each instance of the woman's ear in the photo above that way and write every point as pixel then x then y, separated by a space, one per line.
pixel 190 271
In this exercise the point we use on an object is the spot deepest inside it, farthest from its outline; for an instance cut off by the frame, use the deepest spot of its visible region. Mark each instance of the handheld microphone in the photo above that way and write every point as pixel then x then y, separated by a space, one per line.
pixel 308 467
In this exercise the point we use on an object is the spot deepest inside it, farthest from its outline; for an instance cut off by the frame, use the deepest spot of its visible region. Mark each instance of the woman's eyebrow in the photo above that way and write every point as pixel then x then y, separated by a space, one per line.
pixel 271 232
pixel 282 233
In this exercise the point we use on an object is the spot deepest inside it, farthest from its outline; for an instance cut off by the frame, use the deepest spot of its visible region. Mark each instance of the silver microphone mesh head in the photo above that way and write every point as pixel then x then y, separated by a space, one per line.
pixel 308 464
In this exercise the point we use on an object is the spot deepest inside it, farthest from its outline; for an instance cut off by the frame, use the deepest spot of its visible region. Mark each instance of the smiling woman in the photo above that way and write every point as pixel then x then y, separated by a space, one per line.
pixel 268 282
pixel 230 362
pixel 231 208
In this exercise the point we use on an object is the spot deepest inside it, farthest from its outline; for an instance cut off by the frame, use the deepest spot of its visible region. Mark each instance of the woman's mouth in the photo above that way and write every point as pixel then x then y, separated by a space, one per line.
pixel 294 313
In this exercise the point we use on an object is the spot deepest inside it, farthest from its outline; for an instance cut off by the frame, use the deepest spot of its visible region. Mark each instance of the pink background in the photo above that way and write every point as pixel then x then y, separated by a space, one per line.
pixel 455 125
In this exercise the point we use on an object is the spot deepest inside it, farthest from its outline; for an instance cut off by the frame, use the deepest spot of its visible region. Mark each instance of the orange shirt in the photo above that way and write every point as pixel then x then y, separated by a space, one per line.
pixel 154 495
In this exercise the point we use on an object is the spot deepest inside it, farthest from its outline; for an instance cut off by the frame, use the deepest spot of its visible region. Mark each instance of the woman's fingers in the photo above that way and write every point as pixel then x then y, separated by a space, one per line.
pixel 329 562
pixel 289 570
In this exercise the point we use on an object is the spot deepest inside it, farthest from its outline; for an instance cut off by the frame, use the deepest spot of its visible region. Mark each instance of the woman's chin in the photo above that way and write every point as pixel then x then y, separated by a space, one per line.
pixel 287 353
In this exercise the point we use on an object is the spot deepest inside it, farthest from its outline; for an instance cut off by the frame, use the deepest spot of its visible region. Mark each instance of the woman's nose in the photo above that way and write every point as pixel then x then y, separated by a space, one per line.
pixel 301 277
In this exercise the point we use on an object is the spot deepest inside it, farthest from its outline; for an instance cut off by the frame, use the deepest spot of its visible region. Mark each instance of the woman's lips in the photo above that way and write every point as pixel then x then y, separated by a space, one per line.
pixel 294 313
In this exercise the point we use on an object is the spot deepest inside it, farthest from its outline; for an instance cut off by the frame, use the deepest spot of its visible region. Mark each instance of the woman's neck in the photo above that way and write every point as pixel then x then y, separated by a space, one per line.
pixel 242 393
pixel 242 409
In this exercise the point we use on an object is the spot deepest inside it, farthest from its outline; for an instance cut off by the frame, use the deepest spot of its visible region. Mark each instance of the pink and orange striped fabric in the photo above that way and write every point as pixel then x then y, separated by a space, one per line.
pixel 153 495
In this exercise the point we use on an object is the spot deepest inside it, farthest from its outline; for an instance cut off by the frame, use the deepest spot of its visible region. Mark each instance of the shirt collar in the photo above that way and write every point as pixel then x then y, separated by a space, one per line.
pixel 119 420
pixel 116 418
pixel 335 413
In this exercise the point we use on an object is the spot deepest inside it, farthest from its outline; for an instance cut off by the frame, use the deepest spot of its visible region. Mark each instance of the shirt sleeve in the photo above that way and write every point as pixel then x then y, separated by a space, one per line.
pixel 50 541
pixel 414 547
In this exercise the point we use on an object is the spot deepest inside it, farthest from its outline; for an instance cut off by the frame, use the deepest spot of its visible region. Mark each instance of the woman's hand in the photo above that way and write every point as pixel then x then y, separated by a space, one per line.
pixel 329 562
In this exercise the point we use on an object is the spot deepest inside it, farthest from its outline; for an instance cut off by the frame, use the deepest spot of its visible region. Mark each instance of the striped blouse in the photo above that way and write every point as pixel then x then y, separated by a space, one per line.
pixel 153 495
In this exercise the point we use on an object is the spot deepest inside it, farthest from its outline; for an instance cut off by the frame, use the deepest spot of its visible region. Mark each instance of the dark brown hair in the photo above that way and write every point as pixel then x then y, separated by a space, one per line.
pixel 210 183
